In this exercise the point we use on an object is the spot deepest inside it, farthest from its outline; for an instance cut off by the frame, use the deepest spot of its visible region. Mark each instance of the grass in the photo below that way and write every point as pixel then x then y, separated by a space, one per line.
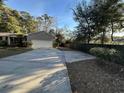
pixel 5 52
pixel 96 76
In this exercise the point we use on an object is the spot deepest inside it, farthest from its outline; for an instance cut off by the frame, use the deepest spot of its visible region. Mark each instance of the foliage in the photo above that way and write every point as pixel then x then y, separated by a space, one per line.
pixel 27 44
pixel 68 42
pixel 59 39
pixel 8 22
pixel 111 55
pixel 98 18
pixel 13 21
pixel 108 16
pixel 45 22
pixel 82 15
pixel 1 2
pixel 86 47
pixel 55 44
pixel 28 23
pixel 3 43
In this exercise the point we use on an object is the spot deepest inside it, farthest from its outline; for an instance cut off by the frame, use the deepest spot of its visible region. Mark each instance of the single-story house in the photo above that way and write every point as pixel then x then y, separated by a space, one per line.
pixel 41 39
pixel 12 39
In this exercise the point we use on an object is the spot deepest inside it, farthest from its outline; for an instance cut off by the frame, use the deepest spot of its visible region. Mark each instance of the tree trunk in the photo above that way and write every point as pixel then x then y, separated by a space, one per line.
pixel 89 38
pixel 102 38
pixel 112 28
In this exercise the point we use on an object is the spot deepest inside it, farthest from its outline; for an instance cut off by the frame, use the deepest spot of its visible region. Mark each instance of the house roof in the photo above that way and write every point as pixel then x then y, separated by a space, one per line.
pixel 7 34
pixel 41 35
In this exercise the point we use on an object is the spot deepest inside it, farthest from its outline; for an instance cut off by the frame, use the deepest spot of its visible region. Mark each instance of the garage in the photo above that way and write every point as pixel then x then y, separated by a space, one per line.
pixel 41 39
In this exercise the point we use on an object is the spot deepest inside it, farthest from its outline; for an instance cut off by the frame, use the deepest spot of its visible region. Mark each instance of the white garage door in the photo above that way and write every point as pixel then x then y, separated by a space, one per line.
pixel 41 44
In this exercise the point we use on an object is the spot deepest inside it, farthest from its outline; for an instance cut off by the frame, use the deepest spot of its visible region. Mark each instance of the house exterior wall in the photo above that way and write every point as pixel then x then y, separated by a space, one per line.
pixel 4 38
pixel 41 44
pixel 7 39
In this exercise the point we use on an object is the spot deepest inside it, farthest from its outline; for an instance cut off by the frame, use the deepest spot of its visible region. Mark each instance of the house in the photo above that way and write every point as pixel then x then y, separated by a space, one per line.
pixel 7 37
pixel 41 39
pixel 12 39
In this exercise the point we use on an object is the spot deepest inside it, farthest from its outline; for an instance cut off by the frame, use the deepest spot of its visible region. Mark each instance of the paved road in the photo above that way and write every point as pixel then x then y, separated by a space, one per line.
pixel 37 71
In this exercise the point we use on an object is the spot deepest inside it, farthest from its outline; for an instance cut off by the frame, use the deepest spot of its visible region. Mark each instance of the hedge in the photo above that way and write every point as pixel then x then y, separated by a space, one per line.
pixel 87 47
pixel 102 51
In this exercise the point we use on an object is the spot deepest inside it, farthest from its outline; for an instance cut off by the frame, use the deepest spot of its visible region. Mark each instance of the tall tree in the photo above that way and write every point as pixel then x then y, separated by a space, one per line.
pixel 13 21
pixel 116 17
pixel 108 14
pixel 1 2
pixel 28 23
pixel 82 15
pixel 9 23
pixel 97 18
pixel 45 22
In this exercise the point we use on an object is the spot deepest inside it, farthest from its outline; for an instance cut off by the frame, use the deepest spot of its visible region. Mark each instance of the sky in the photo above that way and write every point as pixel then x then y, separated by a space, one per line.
pixel 60 9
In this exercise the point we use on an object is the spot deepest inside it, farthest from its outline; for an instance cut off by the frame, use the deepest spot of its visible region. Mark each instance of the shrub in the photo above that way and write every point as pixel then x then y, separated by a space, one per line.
pixel 58 44
pixel 3 43
pixel 55 44
pixel 67 43
pixel 24 44
pixel 107 54
pixel 87 47
pixel 27 44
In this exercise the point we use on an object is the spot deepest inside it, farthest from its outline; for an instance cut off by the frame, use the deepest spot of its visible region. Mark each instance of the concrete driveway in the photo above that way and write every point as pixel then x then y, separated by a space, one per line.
pixel 76 56
pixel 37 71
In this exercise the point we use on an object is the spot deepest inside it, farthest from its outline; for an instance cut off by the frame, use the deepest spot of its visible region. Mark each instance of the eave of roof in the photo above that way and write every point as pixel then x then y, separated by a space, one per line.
pixel 41 35
pixel 7 34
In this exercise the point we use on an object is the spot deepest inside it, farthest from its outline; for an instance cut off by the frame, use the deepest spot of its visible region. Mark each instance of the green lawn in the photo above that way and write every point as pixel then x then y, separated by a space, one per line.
pixel 5 52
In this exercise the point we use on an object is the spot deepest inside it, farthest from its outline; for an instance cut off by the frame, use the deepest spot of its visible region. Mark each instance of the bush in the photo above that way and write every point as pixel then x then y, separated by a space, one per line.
pixel 58 44
pixel 55 44
pixel 87 47
pixel 107 54
pixel 3 43
pixel 68 43
pixel 27 44
pixel 24 44
pixel 113 53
